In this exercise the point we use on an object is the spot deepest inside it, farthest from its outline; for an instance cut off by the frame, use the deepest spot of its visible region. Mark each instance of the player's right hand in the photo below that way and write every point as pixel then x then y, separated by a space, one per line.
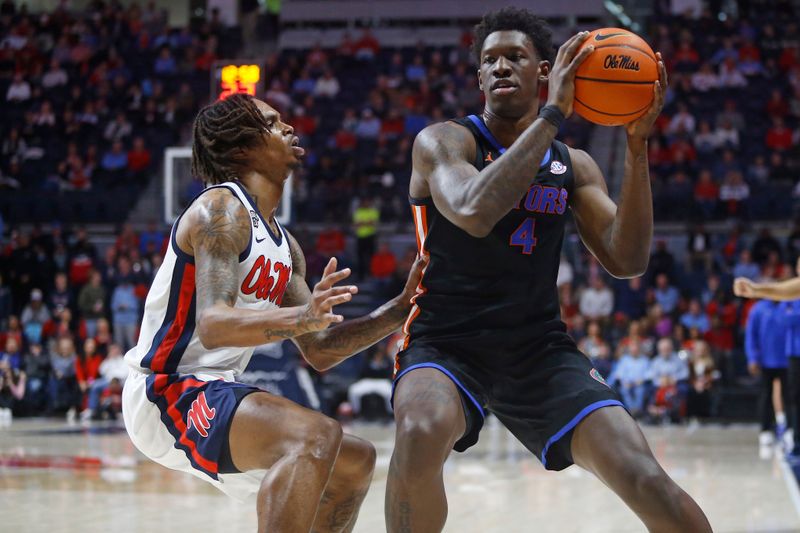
pixel 318 313
pixel 561 80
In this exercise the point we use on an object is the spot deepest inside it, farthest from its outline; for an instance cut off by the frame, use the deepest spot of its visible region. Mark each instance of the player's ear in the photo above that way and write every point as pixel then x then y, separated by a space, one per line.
pixel 480 80
pixel 544 71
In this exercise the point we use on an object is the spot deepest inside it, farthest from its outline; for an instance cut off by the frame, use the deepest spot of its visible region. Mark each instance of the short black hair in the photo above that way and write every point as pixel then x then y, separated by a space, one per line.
pixel 513 18
pixel 221 130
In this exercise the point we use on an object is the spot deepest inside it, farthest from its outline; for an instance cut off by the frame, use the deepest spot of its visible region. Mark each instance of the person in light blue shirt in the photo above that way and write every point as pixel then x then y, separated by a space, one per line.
pixel 666 295
pixel 695 317
pixel 631 377
pixel 125 306
pixel 669 375
pixel 766 348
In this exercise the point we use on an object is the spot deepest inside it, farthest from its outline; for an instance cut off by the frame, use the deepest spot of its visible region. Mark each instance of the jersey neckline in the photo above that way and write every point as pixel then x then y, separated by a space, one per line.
pixel 487 134
pixel 278 240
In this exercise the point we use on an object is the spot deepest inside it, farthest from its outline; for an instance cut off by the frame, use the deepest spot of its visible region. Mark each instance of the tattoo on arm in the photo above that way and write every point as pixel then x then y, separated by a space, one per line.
pixel 343 340
pixel 220 230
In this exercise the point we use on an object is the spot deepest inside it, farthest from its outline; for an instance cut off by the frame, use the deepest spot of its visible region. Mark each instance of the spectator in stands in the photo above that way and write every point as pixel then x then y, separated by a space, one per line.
pixel 695 317
pixel 374 378
pixel 114 162
pixel 125 308
pixel 366 218
pixel 593 344
pixel 327 86
pixel 19 90
pixel 706 193
pixel 779 136
pixel 11 354
pixel 113 367
pixel 118 130
pixel 734 194
pixel 60 297
pixel 764 245
pixel 745 267
pixel 369 126
pixel 34 317
pixel 669 375
pixel 705 79
pixel 6 303
pixel 631 298
pixel 630 375
pixel 367 47
pixel 665 294
pixel 12 390
pixel 165 63
pixel 383 263
pixel 139 160
pixel 37 370
pixel 597 300
pixel 87 367
pixel 703 375
pixel 683 122
pixel 731 114
pixel 63 389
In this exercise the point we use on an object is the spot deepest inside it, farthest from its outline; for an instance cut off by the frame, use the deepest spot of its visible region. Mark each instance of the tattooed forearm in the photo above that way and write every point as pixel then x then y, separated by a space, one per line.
pixel 331 346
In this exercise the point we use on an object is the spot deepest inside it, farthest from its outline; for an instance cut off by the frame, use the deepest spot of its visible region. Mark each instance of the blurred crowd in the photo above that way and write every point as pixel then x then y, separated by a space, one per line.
pixel 90 100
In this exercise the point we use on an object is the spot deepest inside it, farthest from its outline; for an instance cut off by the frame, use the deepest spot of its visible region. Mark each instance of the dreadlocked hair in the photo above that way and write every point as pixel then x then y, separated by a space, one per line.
pixel 522 20
pixel 221 132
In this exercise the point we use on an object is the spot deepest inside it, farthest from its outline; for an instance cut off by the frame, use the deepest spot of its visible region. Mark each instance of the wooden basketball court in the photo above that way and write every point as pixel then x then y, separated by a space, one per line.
pixel 56 477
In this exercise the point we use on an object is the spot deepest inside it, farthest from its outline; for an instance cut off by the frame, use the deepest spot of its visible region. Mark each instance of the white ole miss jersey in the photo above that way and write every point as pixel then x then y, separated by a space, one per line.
pixel 168 341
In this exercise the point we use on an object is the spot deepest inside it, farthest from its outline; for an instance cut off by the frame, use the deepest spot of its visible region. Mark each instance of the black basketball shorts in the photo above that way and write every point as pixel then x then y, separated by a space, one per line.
pixel 540 397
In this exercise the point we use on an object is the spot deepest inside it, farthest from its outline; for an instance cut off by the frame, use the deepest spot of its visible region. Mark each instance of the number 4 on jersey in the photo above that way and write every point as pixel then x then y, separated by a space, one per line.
pixel 523 236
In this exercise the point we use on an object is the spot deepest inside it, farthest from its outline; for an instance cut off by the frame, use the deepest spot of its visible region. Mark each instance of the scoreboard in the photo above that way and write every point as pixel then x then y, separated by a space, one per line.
pixel 236 76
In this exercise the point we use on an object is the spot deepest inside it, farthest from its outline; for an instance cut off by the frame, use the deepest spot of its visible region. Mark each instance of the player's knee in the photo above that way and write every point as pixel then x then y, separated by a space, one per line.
pixel 321 441
pixel 365 462
pixel 655 485
pixel 423 440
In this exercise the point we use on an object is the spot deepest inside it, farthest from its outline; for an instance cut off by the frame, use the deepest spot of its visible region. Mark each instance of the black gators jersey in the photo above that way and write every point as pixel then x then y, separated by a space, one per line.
pixel 486 296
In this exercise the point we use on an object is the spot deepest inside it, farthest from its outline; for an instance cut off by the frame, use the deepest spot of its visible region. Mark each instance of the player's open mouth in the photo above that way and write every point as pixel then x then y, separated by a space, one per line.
pixel 504 87
pixel 297 150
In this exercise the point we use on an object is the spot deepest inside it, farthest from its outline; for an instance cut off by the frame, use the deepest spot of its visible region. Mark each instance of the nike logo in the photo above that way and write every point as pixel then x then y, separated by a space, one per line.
pixel 261 240
pixel 599 37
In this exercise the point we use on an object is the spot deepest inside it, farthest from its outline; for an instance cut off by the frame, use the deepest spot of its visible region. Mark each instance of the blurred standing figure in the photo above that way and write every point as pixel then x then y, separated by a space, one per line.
pixel 365 223
pixel 765 345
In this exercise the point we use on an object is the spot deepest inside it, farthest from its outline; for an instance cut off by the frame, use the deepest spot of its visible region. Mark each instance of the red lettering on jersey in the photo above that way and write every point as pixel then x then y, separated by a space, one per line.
pixel 260 280
pixel 200 415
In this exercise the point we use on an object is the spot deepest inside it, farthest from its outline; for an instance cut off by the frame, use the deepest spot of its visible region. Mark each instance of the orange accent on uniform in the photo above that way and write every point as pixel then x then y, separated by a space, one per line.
pixel 423 230
pixel 488 158
pixel 171 393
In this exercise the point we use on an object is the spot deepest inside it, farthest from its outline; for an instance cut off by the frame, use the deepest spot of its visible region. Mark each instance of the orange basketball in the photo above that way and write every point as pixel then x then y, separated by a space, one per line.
pixel 614 85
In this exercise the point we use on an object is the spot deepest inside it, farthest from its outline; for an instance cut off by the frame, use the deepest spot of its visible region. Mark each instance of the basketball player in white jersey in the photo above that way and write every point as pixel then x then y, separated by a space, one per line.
pixel 232 279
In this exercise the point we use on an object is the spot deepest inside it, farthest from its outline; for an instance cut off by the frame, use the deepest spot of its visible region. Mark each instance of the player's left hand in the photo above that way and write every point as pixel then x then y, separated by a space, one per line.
pixel 743 288
pixel 414 279
pixel 641 127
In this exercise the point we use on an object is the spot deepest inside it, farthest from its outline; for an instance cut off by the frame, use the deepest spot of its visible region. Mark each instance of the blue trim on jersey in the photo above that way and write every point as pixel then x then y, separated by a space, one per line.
pixel 188 258
pixel 574 422
pixel 169 318
pixel 276 239
pixel 494 142
pixel 163 407
pixel 445 372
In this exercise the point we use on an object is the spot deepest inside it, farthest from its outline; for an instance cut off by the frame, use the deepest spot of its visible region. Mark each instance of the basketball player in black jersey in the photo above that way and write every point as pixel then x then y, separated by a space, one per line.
pixel 489 195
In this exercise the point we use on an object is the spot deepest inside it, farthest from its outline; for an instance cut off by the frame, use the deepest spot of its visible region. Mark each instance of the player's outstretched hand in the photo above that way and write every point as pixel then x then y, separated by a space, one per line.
pixel 641 127
pixel 561 80
pixel 743 288
pixel 414 279
pixel 318 313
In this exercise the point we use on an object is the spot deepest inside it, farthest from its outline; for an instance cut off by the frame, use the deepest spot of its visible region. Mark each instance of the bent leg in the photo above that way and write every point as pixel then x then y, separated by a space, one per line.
pixel 429 418
pixel 347 487
pixel 609 444
pixel 297 447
